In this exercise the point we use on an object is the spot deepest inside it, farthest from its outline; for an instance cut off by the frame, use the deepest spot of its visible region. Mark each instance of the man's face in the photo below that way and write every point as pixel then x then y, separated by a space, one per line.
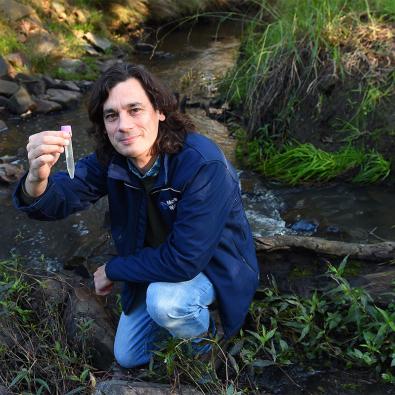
pixel 131 121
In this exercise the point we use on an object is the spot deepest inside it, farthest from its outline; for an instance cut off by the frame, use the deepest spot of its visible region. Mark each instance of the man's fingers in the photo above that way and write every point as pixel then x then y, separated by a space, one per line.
pixel 43 160
pixel 43 150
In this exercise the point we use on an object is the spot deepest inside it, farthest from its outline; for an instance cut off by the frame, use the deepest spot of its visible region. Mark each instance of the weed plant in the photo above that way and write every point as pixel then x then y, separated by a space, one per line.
pixel 35 357
pixel 340 324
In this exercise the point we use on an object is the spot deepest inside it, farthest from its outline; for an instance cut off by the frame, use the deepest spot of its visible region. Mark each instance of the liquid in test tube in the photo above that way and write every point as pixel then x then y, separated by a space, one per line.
pixel 69 152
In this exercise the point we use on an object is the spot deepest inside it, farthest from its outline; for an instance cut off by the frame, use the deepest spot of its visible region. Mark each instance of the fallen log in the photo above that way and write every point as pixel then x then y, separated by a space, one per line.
pixel 377 252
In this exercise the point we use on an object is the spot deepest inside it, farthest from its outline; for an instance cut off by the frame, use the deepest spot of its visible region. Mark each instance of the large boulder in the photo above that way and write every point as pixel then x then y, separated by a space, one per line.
pixel 65 97
pixel 87 320
pixel 22 101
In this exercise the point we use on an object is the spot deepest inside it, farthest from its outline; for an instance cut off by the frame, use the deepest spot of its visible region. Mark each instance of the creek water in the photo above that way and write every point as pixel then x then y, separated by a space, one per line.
pixel 190 63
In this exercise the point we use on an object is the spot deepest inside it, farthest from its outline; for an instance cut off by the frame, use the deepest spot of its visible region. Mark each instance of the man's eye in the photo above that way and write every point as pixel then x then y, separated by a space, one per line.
pixel 134 110
pixel 110 117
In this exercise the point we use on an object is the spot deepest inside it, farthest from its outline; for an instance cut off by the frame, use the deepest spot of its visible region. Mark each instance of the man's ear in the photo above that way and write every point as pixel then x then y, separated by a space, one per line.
pixel 162 116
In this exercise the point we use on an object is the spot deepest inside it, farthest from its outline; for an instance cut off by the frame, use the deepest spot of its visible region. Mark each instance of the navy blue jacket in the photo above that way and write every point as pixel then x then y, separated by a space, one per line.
pixel 198 195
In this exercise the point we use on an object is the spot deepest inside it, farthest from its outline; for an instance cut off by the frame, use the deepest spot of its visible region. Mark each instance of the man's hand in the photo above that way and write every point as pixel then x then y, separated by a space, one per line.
pixel 43 151
pixel 103 285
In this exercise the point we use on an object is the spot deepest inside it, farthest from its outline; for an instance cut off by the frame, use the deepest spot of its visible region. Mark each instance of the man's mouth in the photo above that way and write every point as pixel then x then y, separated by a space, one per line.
pixel 129 139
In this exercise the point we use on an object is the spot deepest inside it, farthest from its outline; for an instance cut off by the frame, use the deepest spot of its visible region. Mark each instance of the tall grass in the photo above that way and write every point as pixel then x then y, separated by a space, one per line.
pixel 285 47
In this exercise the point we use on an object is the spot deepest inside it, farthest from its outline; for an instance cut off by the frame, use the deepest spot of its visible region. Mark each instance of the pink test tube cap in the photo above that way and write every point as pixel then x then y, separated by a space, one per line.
pixel 66 128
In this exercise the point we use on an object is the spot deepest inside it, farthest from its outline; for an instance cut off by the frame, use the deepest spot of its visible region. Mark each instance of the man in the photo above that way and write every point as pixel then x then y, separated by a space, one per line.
pixel 182 237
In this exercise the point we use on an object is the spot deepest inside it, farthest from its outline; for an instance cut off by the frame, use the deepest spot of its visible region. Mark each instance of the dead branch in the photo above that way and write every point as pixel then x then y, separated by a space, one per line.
pixel 368 252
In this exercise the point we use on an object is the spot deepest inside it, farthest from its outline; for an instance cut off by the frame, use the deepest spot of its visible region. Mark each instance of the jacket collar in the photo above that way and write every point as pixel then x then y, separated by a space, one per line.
pixel 118 169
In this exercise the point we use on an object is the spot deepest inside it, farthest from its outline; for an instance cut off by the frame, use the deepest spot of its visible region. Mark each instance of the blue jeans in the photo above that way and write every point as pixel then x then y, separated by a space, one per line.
pixel 164 309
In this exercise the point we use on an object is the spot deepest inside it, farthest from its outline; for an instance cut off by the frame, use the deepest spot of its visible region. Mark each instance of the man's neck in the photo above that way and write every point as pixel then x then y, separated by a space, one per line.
pixel 143 165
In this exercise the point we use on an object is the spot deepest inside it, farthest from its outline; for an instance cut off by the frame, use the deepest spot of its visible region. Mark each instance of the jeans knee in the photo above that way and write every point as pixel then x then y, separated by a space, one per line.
pixel 128 359
pixel 170 310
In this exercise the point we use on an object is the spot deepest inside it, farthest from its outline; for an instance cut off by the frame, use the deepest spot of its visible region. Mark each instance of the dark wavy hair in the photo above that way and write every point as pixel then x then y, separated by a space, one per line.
pixel 172 130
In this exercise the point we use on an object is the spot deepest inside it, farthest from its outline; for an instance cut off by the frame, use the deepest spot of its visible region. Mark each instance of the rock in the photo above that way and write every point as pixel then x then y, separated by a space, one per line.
pixel 100 43
pixel 80 16
pixel 8 158
pixel 51 82
pixel 54 290
pixel 64 97
pixel 121 387
pixel 43 43
pixel 305 226
pixel 90 50
pixel 16 59
pixel 143 47
pixel 70 85
pixel 3 128
pixel 85 316
pixel 35 86
pixel 108 63
pixel 22 101
pixel 3 67
pixel 58 8
pixel 8 105
pixel 8 88
pixel 10 173
pixel 72 65
pixel 84 85
pixel 14 11
pixel 46 106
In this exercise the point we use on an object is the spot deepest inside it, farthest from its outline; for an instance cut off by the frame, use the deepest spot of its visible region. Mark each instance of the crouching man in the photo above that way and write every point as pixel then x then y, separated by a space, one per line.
pixel 177 220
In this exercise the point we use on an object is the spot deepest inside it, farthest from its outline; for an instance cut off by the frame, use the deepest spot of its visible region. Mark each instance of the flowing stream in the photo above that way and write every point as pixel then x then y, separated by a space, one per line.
pixel 190 63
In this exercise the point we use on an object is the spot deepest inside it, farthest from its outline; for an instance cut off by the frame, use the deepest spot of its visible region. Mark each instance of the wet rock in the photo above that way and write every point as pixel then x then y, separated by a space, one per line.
pixel 8 88
pixel 86 319
pixel 64 97
pixel 72 65
pixel 43 43
pixel 22 101
pixel 46 106
pixel 100 43
pixel 143 47
pixel 3 127
pixel 84 85
pixel 13 10
pixel 8 105
pixel 305 226
pixel 3 67
pixel 122 387
pixel 8 158
pixel 10 173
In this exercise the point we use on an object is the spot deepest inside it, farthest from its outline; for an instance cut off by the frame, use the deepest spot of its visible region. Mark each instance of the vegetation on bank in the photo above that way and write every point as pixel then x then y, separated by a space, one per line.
pixel 66 23
pixel 319 72
pixel 339 324
pixel 295 163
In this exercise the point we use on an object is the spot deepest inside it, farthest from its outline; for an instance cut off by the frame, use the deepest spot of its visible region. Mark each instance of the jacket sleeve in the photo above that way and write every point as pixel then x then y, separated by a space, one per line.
pixel 65 196
pixel 201 216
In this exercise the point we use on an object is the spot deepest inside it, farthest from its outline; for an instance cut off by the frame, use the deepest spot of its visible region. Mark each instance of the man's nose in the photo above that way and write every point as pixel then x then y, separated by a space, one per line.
pixel 125 122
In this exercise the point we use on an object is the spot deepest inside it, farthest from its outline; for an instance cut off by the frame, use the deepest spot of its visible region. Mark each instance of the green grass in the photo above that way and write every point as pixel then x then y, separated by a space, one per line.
pixel 295 163
pixel 287 46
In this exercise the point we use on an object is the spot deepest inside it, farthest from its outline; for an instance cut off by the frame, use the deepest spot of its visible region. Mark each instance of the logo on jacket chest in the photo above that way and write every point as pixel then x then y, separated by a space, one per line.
pixel 169 204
